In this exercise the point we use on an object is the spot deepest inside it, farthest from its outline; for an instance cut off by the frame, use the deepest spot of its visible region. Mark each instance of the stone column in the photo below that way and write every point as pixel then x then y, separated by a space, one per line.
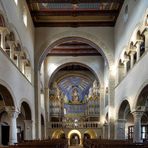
pixel 105 131
pixel 121 72
pixel 11 44
pixel 111 111
pixel 137 126
pixel 120 129
pixel 46 96
pixel 125 66
pixel 3 34
pixel 18 62
pixel 37 103
pixel 28 130
pixel 146 39
pixel 13 114
pixel 132 58
pixel 139 42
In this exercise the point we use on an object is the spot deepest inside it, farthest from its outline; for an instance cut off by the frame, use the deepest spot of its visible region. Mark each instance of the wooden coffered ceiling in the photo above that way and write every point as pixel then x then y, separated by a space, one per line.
pixel 74 48
pixel 74 13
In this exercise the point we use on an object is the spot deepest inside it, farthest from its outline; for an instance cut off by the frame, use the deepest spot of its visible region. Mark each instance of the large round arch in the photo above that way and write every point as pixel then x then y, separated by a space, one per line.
pixel 99 76
pixel 90 39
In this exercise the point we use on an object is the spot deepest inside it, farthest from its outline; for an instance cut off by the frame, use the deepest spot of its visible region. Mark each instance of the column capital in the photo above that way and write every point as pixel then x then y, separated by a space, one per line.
pixel 121 120
pixel 145 32
pixel 12 112
pixel 137 114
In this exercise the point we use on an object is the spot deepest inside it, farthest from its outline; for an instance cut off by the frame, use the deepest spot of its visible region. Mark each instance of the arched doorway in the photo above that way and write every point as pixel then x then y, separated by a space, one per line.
pixel 4 129
pixel 24 123
pixel 125 122
pixel 74 138
pixel 141 111
pixel 7 104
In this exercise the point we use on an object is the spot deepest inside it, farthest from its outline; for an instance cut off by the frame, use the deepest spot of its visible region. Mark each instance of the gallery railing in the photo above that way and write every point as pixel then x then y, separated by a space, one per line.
pixel 74 125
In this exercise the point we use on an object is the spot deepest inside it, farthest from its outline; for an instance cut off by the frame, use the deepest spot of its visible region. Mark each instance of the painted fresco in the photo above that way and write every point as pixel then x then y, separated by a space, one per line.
pixel 75 90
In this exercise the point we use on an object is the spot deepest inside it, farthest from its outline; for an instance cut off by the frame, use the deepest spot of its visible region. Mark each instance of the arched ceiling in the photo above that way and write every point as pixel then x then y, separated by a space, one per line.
pixel 74 13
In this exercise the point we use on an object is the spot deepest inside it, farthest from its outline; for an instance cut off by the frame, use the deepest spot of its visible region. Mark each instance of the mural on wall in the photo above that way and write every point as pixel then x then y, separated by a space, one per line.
pixel 75 96
pixel 75 89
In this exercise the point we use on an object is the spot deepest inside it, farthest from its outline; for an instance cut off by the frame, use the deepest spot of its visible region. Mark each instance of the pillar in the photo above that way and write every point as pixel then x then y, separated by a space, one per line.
pixel 120 129
pixel 28 130
pixel 137 126
pixel 105 131
pixel 132 59
pixel 46 96
pixel 125 66
pixel 121 72
pixel 111 111
pixel 146 39
pixel 3 34
pixel 13 114
pixel 18 62
pixel 138 49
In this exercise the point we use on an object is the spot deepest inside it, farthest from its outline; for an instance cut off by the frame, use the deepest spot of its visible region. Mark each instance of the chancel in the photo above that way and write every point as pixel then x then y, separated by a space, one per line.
pixel 73 73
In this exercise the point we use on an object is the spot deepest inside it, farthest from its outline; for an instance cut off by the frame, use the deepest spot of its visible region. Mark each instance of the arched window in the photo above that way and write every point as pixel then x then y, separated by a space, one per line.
pixel 2 21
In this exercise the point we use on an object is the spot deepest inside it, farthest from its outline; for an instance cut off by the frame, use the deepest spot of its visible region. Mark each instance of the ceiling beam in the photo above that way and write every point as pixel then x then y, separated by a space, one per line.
pixel 74 24
pixel 78 12
pixel 73 1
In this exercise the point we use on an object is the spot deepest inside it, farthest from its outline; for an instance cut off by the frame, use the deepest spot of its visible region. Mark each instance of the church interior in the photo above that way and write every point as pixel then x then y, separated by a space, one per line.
pixel 73 73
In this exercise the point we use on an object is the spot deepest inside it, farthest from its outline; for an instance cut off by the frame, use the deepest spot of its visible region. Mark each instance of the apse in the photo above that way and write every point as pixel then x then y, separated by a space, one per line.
pixel 74 94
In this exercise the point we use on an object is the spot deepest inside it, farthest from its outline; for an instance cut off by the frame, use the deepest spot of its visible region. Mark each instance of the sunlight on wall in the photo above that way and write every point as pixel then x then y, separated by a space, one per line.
pixel 42 100
pixel 111 113
pixel 25 17
pixel 16 2
pixel 51 68
pixel 113 70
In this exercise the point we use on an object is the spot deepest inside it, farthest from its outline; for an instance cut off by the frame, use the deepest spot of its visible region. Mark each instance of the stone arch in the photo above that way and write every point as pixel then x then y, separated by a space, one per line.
pixel 57 134
pixel 6 95
pixel 2 21
pixel 26 110
pixel 124 106
pixel 81 64
pixel 143 86
pixel 74 35
pixel 4 18
pixel 13 29
pixel 75 132
pixel 92 133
